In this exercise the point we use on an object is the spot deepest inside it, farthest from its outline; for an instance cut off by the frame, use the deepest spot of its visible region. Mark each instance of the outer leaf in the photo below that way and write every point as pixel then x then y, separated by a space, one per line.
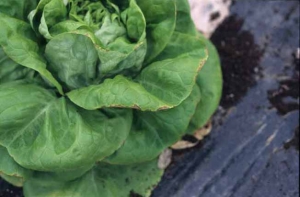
pixel 162 85
pixel 10 25
pixel 64 176
pixel 17 8
pixel 21 49
pixel 103 180
pixel 183 44
pixel 13 180
pixel 161 18
pixel 10 70
pixel 44 133
pixel 210 78
pixel 210 84
pixel 184 23
pixel 153 132
pixel 10 170
pixel 185 37
pixel 118 92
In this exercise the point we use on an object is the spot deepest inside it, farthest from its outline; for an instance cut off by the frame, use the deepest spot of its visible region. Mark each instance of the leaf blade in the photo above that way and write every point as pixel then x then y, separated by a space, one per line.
pixel 53 134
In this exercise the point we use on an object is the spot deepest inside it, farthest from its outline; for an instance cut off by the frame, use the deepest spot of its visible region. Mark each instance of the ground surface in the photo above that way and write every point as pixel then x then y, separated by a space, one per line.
pixel 253 150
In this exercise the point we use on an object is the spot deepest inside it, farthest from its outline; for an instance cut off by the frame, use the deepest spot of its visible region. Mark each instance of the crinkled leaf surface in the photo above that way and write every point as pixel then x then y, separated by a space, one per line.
pixel 52 133
pixel 103 180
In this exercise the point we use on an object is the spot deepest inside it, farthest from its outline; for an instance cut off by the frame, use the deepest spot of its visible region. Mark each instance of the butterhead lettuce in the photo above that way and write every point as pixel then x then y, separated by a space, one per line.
pixel 92 91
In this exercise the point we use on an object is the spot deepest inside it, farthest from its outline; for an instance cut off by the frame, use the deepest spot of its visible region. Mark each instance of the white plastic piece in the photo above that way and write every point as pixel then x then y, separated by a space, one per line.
pixel 209 14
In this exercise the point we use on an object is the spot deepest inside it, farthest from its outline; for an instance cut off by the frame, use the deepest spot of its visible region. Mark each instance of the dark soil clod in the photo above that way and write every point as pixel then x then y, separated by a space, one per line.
pixel 240 58
pixel 286 98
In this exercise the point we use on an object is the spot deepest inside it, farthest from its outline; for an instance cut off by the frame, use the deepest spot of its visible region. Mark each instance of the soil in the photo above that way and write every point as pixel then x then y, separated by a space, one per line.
pixel 10 190
pixel 240 58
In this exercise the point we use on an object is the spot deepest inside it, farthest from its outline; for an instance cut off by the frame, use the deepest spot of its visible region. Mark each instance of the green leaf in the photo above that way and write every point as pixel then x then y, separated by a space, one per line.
pixel 21 49
pixel 118 92
pixel 44 133
pixel 162 85
pixel 153 132
pixel 65 175
pixel 210 85
pixel 161 19
pixel 66 26
pixel 122 55
pixel 121 58
pixel 53 12
pixel 17 8
pixel 103 180
pixel 181 43
pixel 73 59
pixel 135 22
pixel 10 25
pixel 33 15
pixel 15 181
pixel 10 170
pixel 110 30
pixel 46 14
pixel 11 71
pixel 184 39
pixel 184 23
